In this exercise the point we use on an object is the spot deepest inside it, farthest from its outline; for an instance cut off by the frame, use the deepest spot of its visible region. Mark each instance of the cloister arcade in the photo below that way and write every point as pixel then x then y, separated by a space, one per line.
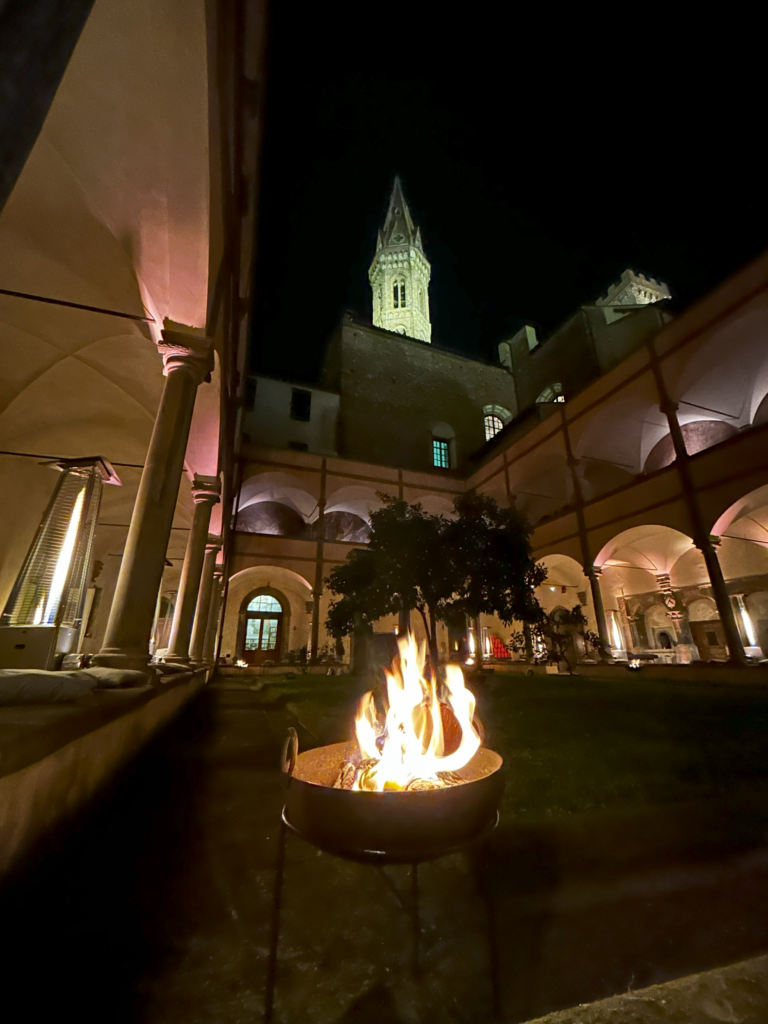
pixel 647 493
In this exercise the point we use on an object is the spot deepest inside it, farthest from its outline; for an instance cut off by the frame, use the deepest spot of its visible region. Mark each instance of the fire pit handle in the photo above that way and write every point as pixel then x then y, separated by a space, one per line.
pixel 290 752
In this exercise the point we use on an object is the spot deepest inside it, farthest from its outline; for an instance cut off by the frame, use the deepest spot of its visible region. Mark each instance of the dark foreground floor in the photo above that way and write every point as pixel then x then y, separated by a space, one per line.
pixel 633 849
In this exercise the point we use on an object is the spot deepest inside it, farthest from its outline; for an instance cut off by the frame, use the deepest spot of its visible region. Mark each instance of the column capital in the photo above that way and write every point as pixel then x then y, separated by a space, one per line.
pixel 213 543
pixel 188 349
pixel 206 488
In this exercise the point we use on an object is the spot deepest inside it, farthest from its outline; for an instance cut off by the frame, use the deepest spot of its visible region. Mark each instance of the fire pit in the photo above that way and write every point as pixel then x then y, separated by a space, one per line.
pixel 415 784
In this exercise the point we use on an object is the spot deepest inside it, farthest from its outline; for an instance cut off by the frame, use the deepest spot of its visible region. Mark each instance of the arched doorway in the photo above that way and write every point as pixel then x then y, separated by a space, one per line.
pixel 263 633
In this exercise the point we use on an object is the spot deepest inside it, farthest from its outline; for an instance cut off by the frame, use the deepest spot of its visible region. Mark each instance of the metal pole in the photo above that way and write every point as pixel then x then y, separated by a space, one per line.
pixel 415 927
pixel 274 932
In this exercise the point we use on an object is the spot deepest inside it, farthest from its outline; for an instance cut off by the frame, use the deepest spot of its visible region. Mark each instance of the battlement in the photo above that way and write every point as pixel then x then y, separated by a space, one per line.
pixel 634 289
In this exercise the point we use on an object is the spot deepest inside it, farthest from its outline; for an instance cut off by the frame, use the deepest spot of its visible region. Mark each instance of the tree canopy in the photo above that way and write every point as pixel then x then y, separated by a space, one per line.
pixel 477 562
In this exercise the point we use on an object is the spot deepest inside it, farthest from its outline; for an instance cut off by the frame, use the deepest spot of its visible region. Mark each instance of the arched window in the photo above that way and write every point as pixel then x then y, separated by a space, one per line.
pixel 263 629
pixel 402 294
pixel 495 418
pixel 493 424
pixel 265 603
pixel 396 295
pixel 553 393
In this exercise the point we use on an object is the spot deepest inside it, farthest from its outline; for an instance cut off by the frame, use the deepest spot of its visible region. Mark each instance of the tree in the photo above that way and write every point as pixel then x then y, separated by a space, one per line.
pixel 478 562
pixel 554 634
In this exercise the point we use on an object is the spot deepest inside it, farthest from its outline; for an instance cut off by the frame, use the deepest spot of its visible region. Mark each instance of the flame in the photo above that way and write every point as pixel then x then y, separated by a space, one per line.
pixel 62 564
pixel 412 744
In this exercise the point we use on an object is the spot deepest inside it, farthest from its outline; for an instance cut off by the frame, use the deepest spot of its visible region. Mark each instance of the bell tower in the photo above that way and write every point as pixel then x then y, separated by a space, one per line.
pixel 400 273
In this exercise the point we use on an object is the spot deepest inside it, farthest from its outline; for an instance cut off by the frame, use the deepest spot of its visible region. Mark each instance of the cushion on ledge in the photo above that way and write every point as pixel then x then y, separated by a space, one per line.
pixel 37 686
pixel 115 677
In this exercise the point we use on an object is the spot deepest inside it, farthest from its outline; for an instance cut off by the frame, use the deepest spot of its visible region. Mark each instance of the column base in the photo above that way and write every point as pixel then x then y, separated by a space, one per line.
pixel 124 660
pixel 177 659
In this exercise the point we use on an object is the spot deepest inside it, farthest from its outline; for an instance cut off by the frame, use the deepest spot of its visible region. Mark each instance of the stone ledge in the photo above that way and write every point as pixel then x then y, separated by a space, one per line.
pixel 54 758
pixel 737 993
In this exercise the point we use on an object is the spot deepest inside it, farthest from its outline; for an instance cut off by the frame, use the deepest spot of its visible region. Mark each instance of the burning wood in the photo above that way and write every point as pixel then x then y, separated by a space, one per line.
pixel 358 776
pixel 421 741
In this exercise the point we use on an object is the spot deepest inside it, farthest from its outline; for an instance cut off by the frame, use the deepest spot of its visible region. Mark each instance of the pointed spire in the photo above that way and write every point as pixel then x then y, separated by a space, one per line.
pixel 399 228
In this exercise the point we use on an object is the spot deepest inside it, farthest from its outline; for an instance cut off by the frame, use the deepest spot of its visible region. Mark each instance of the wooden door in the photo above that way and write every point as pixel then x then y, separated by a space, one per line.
pixel 709 637
pixel 261 640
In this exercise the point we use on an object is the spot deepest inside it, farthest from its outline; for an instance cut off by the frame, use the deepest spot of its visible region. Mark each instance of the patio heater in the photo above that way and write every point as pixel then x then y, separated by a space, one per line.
pixel 42 619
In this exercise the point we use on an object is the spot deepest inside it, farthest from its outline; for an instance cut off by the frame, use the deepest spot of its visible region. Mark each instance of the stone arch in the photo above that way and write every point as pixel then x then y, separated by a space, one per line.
pixel 288 586
pixel 273 518
pixel 356 500
pixel 283 488
pixel 283 632
pixel 565 585
pixel 698 436
pixel 436 505
pixel 702 609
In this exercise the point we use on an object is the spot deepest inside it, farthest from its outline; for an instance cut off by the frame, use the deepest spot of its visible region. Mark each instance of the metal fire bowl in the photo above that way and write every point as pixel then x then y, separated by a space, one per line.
pixel 391 827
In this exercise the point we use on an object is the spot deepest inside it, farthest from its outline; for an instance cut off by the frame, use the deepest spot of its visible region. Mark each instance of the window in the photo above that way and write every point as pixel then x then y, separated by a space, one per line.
pixel 395 295
pixel 301 405
pixel 398 295
pixel 440 453
pixel 553 393
pixel 495 418
pixel 402 294
pixel 265 603
pixel 261 634
pixel 493 424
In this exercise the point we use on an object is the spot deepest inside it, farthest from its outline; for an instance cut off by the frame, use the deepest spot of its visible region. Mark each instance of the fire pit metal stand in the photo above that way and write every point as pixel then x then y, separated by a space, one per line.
pixel 378 859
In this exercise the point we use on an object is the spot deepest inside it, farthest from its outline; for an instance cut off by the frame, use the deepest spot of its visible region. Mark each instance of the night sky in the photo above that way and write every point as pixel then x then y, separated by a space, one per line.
pixel 537 167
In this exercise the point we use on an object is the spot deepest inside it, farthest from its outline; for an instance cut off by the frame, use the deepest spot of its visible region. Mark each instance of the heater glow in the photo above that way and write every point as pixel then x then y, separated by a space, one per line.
pixel 618 640
pixel 411 743
pixel 62 565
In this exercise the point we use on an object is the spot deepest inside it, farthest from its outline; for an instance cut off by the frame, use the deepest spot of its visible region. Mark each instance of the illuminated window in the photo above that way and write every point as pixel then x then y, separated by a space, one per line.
pixel 440 454
pixel 398 294
pixel 495 417
pixel 554 393
pixel 493 424
pixel 264 603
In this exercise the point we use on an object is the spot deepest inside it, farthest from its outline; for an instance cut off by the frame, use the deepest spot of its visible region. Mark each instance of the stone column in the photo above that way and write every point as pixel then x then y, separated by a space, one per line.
pixel 593 575
pixel 590 571
pixel 699 532
pixel 187 362
pixel 205 494
pixel 203 608
pixel 214 614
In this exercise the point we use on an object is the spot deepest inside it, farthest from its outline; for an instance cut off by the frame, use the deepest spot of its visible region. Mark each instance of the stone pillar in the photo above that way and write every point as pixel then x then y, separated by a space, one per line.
pixel 187 361
pixel 593 575
pixel 590 571
pixel 205 493
pixel 317 590
pixel 214 614
pixel 700 534
pixel 722 600
pixel 203 607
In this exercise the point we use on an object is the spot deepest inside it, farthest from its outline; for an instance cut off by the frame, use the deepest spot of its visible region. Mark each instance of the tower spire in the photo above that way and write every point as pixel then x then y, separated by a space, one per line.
pixel 400 273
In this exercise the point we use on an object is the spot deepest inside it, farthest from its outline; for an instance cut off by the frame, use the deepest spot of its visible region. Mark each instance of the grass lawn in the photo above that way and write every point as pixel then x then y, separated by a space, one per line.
pixel 574 744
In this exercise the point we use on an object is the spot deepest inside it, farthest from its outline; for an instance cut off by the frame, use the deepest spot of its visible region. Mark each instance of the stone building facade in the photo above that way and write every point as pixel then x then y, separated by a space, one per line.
pixel 631 437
